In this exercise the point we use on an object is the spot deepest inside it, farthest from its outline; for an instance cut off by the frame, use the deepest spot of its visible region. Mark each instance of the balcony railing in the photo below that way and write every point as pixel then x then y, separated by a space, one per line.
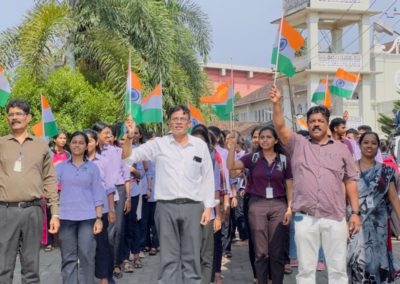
pixel 331 60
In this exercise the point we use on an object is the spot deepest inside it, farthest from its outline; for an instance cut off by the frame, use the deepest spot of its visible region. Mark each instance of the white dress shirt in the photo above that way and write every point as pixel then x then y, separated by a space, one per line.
pixel 181 171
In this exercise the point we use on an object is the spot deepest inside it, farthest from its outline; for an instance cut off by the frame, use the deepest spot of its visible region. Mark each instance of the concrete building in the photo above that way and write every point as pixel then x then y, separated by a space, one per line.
pixel 378 66
pixel 246 79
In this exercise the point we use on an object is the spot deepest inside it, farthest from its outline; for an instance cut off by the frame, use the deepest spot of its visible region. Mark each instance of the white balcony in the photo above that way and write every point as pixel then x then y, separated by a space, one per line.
pixel 331 61
pixel 291 6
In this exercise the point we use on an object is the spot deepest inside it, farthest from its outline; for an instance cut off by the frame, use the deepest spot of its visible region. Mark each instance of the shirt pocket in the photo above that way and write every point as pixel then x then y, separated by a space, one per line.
pixel 194 170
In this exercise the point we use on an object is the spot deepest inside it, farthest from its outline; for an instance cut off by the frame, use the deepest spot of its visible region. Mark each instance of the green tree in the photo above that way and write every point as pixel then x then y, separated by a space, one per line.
pixel 162 38
pixel 387 122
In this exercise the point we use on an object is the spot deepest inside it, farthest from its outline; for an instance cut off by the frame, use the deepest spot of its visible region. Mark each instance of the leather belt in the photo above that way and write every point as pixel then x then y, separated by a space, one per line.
pixel 179 201
pixel 23 204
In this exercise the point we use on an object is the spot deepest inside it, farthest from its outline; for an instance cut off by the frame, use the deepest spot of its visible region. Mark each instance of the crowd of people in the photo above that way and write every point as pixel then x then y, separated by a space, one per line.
pixel 325 198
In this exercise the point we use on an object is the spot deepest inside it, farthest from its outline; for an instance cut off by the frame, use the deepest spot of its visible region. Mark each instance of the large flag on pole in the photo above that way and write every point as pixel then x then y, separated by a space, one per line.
pixel 221 101
pixel 152 106
pixel 289 40
pixel 5 90
pixel 195 115
pixel 133 98
pixel 344 84
pixel 48 120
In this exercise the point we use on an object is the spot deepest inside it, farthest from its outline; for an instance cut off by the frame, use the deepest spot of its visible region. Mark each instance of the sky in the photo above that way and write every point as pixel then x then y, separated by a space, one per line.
pixel 241 30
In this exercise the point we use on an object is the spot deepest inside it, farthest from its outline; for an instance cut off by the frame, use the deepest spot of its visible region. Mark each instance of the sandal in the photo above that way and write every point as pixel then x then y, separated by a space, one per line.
pixel 117 273
pixel 48 248
pixel 127 266
pixel 153 251
pixel 146 249
pixel 228 255
pixel 137 263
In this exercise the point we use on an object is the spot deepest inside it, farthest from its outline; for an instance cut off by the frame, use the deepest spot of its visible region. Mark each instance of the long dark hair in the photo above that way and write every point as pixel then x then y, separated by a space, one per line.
pixel 85 137
pixel 52 144
pixel 142 139
pixel 93 134
pixel 278 148
pixel 201 130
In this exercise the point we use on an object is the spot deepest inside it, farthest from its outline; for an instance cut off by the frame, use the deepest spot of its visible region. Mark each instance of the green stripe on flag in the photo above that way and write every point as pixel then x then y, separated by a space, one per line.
pixel 318 97
pixel 339 92
pixel 152 115
pixel 223 112
pixel 285 65
pixel 136 113
pixel 4 96
pixel 50 129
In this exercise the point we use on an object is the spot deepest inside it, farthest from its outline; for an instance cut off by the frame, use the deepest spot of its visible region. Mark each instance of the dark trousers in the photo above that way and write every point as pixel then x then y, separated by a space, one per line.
pixel 152 236
pixel 132 233
pixel 50 237
pixel 143 222
pixel 104 263
pixel 252 256
pixel 268 233
pixel 180 239
pixel 207 252
pixel 217 254
pixel 20 232
pixel 240 219
pixel 228 231
pixel 77 241
pixel 116 231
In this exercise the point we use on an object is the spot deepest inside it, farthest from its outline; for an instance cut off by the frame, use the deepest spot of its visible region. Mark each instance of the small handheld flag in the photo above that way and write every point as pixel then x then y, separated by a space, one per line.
pixel 152 106
pixel 195 115
pixel 48 120
pixel 288 41
pixel 344 84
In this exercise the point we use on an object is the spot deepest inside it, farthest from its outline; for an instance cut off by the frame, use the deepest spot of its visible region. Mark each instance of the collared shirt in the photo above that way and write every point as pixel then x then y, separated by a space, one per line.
pixel 108 185
pixel 82 190
pixel 224 156
pixel 119 173
pixel 263 175
pixel 318 175
pixel 181 171
pixel 37 177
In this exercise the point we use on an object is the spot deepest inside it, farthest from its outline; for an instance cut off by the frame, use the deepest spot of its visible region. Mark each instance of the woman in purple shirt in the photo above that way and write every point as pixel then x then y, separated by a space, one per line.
pixel 270 189
pixel 81 205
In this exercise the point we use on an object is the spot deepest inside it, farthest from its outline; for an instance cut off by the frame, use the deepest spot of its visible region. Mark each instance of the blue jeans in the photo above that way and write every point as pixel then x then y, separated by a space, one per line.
pixel 77 241
pixel 293 248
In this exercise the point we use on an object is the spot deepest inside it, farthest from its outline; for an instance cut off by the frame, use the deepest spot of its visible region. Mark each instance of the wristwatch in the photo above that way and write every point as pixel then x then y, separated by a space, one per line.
pixel 98 218
pixel 356 212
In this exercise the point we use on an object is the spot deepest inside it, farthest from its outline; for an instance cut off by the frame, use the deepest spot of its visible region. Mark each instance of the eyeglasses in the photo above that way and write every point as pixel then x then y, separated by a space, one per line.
pixel 179 119
pixel 16 114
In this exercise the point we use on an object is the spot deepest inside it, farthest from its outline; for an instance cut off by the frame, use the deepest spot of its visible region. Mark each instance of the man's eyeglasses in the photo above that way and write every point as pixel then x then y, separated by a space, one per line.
pixel 179 119
pixel 16 114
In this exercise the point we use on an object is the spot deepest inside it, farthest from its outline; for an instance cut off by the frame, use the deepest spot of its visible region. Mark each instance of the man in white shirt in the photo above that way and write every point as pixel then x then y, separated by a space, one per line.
pixel 184 190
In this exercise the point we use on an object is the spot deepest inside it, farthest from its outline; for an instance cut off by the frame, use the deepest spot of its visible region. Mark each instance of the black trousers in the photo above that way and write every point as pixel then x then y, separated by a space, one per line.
pixel 252 255
pixel 104 260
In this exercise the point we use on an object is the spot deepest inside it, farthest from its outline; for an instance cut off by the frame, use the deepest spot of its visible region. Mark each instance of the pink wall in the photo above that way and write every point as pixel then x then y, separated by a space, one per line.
pixel 243 84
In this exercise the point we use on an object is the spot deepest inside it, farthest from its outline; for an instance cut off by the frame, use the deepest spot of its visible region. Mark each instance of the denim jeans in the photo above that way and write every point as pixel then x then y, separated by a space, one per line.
pixel 77 241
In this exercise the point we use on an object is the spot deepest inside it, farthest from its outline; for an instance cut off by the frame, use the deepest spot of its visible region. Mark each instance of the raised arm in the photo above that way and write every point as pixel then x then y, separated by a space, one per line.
pixel 283 132
pixel 231 163
pixel 130 127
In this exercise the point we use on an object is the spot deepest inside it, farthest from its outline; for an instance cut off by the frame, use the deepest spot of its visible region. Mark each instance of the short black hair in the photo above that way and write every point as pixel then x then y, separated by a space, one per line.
pixel 178 108
pixel 319 109
pixel 258 127
pixel 366 128
pixel 19 104
pixel 352 131
pixel 335 123
pixel 201 130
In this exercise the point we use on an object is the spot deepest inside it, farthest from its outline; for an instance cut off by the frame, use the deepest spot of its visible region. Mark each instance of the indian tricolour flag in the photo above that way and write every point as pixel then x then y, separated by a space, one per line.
pixel 48 120
pixel 152 106
pixel 344 84
pixel 289 41
pixel 133 98
pixel 5 90
pixel 321 91
pixel 195 116
pixel 221 101
pixel 302 122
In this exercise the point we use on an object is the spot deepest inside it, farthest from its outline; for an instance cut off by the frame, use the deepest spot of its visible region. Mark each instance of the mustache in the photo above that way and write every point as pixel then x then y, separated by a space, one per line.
pixel 316 127
pixel 15 121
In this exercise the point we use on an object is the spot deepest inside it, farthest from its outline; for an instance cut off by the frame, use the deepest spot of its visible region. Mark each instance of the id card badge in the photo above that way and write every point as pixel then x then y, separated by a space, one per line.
pixel 269 193
pixel 18 166
pixel 370 202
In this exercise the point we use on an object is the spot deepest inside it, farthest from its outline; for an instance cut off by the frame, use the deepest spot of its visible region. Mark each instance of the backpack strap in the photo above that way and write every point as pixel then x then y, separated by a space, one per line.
pixel 254 160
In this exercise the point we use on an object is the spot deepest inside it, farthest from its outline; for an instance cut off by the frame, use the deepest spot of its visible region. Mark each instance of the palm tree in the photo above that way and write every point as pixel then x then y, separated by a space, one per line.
pixel 164 39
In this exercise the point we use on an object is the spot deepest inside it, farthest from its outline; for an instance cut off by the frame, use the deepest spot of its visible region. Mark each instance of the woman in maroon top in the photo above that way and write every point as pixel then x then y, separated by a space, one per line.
pixel 270 189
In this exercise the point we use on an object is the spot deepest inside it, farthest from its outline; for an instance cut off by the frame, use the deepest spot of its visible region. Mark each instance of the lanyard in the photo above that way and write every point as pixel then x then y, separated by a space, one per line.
pixel 269 172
